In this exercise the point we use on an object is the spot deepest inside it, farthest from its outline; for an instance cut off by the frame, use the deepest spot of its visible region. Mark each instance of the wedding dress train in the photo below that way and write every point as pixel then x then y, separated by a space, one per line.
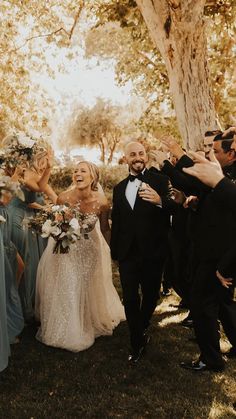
pixel 76 300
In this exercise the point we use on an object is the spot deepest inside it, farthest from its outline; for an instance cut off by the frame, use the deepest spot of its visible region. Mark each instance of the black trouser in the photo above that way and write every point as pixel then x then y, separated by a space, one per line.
pixel 210 301
pixel 138 272
pixel 180 251
pixel 227 314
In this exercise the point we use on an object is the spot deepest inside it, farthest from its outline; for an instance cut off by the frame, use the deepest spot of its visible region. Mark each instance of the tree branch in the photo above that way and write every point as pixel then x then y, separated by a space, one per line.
pixel 146 58
pixel 69 34
pixel 77 16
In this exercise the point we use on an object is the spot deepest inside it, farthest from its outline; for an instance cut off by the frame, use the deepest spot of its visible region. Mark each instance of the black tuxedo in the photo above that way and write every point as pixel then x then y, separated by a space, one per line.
pixel 213 236
pixel 138 242
pixel 225 194
pixel 147 225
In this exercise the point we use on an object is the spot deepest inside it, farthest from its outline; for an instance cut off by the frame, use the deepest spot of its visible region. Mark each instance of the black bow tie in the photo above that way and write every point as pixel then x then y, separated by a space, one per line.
pixel 132 177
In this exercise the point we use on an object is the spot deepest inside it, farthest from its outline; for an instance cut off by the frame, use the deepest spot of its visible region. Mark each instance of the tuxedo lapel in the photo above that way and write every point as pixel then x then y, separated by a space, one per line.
pixel 124 200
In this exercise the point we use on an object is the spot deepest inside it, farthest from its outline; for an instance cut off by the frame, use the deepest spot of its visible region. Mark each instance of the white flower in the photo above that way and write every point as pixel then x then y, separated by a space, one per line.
pixel 56 208
pixel 50 230
pixel 46 228
pixel 2 219
pixel 63 234
pixel 74 223
pixel 55 231
pixel 25 141
pixel 74 237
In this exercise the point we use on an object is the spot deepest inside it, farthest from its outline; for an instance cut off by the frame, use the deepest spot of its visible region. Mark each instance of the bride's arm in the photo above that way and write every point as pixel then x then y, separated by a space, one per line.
pixel 104 220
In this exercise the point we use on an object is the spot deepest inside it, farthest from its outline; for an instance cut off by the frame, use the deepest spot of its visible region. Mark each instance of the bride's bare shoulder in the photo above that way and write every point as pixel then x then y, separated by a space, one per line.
pixel 64 196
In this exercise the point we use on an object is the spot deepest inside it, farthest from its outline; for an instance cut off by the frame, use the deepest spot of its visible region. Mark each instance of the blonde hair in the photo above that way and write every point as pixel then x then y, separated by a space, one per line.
pixel 37 158
pixel 94 172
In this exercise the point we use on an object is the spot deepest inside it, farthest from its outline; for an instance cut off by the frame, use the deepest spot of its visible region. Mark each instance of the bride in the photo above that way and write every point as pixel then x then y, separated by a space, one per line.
pixel 76 300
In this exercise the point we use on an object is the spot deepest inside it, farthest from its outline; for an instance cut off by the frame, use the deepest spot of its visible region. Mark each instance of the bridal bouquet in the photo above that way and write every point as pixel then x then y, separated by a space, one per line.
pixel 61 223
pixel 63 226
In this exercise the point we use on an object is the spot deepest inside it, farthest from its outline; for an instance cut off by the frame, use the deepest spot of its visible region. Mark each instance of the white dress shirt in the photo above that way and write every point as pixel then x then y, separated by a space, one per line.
pixel 131 191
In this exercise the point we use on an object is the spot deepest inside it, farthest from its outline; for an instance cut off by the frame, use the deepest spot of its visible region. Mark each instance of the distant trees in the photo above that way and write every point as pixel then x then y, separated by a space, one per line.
pixel 101 126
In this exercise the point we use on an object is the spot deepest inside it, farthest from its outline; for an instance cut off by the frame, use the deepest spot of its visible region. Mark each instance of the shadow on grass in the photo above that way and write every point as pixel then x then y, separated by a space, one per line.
pixel 44 382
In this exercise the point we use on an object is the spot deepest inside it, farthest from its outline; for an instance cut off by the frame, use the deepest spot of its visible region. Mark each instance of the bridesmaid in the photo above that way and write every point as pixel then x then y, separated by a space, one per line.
pixel 14 266
pixel 34 179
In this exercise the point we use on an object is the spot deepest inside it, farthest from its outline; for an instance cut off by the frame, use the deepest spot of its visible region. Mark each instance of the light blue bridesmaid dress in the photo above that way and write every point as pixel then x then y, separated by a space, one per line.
pixel 4 341
pixel 29 245
pixel 15 319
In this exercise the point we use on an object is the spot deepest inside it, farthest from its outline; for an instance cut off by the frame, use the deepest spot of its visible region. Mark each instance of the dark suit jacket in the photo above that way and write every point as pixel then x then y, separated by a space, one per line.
pixel 214 228
pixel 146 225
pixel 225 194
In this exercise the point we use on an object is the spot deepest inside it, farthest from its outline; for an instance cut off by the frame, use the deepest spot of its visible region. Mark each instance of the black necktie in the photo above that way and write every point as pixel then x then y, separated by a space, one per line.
pixel 132 177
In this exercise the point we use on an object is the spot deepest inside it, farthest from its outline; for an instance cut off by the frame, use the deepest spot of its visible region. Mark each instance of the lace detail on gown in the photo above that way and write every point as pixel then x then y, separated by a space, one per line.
pixel 76 300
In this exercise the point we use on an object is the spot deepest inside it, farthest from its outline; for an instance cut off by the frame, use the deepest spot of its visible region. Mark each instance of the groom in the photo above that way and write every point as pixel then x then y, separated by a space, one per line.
pixel 140 223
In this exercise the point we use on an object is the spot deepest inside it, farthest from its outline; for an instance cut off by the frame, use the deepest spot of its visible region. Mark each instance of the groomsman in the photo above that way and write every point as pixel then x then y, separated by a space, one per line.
pixel 140 224
pixel 225 154
pixel 208 141
pixel 213 239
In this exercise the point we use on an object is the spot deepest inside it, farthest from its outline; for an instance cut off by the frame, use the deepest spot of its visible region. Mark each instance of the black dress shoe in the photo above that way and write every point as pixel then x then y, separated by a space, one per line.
pixel 200 366
pixel 136 355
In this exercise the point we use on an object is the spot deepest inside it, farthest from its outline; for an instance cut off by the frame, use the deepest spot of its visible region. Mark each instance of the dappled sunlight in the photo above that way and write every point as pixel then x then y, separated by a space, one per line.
pixel 165 307
pixel 224 345
pixel 170 320
pixel 228 387
pixel 170 305
pixel 219 411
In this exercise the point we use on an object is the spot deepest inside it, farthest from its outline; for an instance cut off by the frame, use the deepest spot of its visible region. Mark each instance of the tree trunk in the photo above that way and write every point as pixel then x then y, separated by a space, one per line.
pixel 112 148
pixel 177 28
pixel 102 148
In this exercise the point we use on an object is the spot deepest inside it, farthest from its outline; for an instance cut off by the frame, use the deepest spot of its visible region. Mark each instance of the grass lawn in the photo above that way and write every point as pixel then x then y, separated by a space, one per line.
pixel 44 382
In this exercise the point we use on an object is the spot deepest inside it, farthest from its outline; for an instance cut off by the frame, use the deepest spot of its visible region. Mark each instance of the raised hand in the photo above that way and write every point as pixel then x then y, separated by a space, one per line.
pixel 208 171
pixel 231 129
pixel 171 144
pixel 159 156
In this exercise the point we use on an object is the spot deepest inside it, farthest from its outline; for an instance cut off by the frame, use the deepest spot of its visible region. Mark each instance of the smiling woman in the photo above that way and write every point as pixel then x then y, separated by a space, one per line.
pixel 79 283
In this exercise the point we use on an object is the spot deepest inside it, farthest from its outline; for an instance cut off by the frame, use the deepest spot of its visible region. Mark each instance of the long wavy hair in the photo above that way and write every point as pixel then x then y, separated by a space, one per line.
pixel 94 172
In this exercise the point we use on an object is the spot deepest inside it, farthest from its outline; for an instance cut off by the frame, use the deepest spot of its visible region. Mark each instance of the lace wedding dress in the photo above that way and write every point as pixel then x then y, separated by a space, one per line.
pixel 76 300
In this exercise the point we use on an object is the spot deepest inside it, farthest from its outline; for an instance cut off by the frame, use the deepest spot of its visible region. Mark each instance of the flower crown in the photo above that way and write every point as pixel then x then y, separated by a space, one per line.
pixel 20 148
